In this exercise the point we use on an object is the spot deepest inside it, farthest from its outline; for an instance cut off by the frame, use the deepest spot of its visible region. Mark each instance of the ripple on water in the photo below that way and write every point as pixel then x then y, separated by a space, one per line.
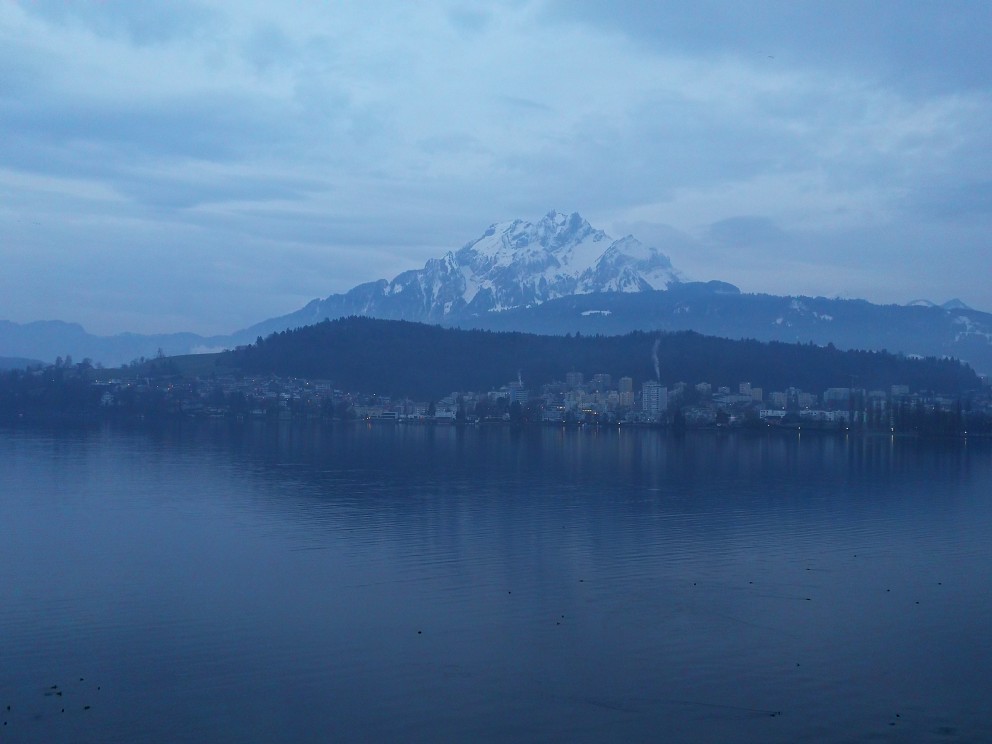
pixel 239 585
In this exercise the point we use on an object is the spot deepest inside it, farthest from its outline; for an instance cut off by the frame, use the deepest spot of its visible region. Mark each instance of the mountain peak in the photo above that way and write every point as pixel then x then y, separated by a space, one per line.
pixel 513 264
pixel 560 218
pixel 955 304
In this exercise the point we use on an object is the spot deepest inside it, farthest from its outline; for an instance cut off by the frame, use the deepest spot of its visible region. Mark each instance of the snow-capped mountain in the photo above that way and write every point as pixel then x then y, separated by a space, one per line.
pixel 519 263
pixel 513 264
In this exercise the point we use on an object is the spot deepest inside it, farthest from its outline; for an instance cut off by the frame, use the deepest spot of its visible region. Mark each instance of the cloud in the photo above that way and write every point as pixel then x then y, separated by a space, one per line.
pixel 523 105
pixel 140 24
pixel 205 128
pixel 746 232
pixel 920 47
pixel 268 47
pixel 196 189
pixel 469 19
pixel 954 201
pixel 361 139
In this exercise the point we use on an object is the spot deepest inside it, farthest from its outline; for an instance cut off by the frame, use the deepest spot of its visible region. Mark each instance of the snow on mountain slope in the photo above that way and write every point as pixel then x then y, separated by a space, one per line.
pixel 513 264
pixel 520 263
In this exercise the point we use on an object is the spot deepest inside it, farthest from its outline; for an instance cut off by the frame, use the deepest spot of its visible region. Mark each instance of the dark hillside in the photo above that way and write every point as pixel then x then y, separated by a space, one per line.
pixel 404 358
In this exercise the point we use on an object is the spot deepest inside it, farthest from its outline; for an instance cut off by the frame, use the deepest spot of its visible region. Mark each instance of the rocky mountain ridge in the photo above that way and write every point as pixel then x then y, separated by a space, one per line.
pixel 513 264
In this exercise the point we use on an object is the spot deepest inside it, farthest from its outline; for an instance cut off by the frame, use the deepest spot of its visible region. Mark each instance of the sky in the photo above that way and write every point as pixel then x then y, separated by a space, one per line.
pixel 202 166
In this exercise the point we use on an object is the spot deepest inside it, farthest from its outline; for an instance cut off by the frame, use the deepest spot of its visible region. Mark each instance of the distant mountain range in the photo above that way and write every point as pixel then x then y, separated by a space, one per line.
pixel 719 309
pixel 954 304
pixel 560 275
pixel 48 339
pixel 17 363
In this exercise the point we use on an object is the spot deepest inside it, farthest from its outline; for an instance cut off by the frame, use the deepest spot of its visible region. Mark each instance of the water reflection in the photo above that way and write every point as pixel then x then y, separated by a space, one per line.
pixel 306 583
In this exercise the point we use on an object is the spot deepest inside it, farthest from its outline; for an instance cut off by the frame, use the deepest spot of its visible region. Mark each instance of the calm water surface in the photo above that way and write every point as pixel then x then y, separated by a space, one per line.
pixel 258 583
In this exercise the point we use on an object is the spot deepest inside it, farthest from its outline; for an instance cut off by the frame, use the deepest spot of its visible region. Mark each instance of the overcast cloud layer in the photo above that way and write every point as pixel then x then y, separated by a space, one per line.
pixel 202 166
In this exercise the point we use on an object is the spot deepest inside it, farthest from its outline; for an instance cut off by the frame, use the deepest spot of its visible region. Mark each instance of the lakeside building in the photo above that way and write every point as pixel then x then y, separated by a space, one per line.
pixel 597 402
pixel 601 382
pixel 654 399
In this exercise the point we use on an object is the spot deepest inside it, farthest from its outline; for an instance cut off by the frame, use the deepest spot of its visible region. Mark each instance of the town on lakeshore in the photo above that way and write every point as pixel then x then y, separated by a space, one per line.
pixel 580 400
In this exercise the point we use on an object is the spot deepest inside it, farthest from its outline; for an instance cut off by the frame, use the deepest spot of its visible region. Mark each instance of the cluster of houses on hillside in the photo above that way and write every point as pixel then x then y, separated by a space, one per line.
pixel 576 400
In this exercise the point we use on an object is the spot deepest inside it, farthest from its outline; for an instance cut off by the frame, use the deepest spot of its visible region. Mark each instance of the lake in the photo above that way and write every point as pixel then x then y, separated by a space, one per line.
pixel 258 583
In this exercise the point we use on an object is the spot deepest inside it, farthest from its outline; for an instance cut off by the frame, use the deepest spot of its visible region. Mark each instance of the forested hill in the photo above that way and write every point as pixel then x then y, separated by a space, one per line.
pixel 404 358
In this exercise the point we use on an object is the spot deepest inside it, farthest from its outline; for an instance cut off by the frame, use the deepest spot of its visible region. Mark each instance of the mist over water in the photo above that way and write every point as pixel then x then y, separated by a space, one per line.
pixel 288 583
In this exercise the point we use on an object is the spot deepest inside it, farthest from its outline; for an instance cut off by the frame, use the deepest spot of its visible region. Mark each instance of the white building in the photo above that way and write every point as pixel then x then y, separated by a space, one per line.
pixel 654 398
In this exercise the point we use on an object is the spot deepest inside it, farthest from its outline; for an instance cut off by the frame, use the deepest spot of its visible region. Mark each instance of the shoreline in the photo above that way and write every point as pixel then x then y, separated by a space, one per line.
pixel 89 420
